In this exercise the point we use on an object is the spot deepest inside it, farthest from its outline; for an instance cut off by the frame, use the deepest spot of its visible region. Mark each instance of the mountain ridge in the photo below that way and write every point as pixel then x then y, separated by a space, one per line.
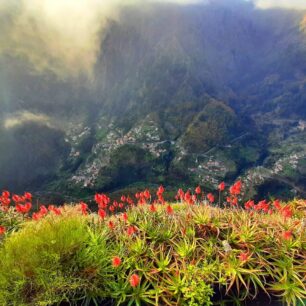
pixel 161 67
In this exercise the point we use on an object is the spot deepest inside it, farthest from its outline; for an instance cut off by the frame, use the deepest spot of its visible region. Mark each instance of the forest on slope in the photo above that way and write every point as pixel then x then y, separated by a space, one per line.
pixel 193 94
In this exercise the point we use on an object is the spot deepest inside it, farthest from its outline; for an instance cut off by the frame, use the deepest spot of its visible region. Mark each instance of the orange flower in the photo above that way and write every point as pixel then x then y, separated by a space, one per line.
pixel 134 280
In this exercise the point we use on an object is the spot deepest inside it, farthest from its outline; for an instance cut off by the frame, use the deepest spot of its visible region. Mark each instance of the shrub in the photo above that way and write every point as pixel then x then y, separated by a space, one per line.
pixel 157 254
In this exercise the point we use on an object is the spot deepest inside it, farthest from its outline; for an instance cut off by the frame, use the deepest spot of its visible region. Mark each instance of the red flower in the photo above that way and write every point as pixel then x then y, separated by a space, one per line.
pixel 129 200
pixel 2 230
pixel 6 194
pixel 102 214
pixel 125 217
pixel 287 235
pixel 147 194
pixel 102 200
pixel 23 209
pixel 36 216
pixel 123 198
pixel 41 213
pixel 160 190
pixel 236 188
pixel 244 256
pixel 187 196
pixel 287 212
pixel 180 194
pixel 198 190
pixel 134 280
pixel 5 201
pixel 84 208
pixel 262 205
pixel 97 198
pixel 152 208
pixel 234 201
pixel 221 186
pixel 169 210
pixel 131 230
pixel 43 210
pixel 210 197
pixel 16 198
pixel 111 225
pixel 277 204
pixel 116 262
pixel 249 204
pixel 55 210
pixel 28 196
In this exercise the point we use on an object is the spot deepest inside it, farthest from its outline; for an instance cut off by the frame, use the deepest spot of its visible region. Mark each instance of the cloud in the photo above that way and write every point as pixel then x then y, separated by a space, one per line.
pixel 288 4
pixel 64 37
pixel 59 36
pixel 20 118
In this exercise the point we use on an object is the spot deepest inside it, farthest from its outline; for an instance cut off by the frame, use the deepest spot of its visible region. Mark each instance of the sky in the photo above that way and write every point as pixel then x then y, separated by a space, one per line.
pixel 64 36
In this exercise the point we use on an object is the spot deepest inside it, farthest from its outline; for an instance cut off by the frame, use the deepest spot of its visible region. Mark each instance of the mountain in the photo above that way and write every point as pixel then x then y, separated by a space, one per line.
pixel 191 94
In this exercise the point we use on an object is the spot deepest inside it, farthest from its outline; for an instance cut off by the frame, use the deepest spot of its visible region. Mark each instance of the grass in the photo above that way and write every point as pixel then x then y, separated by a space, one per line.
pixel 187 255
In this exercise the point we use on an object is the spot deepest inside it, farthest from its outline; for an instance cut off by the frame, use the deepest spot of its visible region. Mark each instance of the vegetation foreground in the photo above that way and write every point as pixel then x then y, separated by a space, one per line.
pixel 140 251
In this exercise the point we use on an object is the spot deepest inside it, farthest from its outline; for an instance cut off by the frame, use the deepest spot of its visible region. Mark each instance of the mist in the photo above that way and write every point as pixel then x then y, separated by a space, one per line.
pixel 287 4
pixel 62 37
pixel 21 118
